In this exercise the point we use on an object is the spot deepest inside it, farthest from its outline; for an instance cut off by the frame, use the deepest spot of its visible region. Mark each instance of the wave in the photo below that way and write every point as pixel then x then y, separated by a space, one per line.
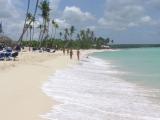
pixel 88 91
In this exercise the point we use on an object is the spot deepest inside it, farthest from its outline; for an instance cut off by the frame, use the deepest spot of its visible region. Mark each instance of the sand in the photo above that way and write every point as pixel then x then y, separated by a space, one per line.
pixel 21 96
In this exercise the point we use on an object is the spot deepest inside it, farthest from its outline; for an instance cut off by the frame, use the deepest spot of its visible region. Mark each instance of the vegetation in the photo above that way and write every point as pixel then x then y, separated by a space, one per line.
pixel 68 38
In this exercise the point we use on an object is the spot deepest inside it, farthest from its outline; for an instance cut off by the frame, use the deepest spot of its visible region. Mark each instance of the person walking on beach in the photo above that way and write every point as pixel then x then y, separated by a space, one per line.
pixel 71 54
pixel 67 51
pixel 63 51
pixel 78 54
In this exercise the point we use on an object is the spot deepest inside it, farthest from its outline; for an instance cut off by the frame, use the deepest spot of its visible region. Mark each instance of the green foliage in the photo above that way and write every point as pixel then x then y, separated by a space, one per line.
pixel 85 39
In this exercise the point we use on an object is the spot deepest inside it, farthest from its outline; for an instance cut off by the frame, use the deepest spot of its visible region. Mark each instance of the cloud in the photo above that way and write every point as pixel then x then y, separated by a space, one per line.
pixel 11 17
pixel 123 14
pixel 62 23
pixel 8 10
pixel 154 3
pixel 74 14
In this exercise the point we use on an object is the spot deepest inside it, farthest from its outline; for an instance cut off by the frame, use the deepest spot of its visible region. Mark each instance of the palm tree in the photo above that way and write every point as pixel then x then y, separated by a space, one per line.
pixel 30 32
pixel 66 33
pixel 82 34
pixel 40 34
pixel 112 41
pixel 107 41
pixel 78 36
pixel 60 35
pixel 33 22
pixel 72 30
pixel 92 35
pixel 55 25
pixel 26 28
pixel 45 9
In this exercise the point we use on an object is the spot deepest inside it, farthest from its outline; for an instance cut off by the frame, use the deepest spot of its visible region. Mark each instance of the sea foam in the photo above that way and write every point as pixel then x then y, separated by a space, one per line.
pixel 90 91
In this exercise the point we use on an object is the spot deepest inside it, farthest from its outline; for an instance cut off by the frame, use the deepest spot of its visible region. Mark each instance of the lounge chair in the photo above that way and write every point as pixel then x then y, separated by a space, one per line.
pixel 2 56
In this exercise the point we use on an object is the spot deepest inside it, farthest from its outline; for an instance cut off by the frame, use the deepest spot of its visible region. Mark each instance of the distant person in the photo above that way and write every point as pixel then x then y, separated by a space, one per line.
pixel 67 51
pixel 78 54
pixel 18 48
pixel 71 53
pixel 64 51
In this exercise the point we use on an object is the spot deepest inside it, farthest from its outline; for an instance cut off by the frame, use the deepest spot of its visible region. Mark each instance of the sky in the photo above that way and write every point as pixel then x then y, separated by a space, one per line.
pixel 124 21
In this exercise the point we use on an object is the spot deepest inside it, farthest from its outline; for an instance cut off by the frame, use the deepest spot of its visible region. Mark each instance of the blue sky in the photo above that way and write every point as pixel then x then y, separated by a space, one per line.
pixel 125 21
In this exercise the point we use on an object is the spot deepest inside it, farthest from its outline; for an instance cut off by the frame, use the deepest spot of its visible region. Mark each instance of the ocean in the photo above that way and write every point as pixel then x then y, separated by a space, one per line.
pixel 113 85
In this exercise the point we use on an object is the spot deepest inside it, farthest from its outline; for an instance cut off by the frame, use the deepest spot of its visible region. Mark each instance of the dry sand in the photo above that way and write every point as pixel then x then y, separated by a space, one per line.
pixel 21 97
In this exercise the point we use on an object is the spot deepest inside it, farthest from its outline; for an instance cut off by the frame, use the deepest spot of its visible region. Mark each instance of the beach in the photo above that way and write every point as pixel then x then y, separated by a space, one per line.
pixel 20 84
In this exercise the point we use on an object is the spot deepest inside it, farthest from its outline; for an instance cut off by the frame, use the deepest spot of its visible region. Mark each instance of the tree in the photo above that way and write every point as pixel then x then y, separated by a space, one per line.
pixel 30 32
pixel 112 41
pixel 107 41
pixel 24 27
pixel 60 35
pixel 45 10
pixel 72 30
pixel 56 26
pixel 66 33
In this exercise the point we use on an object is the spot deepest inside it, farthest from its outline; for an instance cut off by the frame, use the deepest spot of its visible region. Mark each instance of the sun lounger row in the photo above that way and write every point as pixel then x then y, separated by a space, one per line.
pixel 8 55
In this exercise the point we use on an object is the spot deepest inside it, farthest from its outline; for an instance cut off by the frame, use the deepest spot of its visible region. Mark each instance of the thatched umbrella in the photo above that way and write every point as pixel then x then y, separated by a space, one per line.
pixel 4 40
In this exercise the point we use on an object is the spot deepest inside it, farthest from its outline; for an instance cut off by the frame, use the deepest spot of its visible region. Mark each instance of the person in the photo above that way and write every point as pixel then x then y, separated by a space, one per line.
pixel 78 54
pixel 67 51
pixel 71 54
pixel 18 48
pixel 63 51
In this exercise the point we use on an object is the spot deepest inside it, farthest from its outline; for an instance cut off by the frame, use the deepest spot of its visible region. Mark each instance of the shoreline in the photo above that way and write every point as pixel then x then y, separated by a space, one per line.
pixel 20 85
pixel 81 95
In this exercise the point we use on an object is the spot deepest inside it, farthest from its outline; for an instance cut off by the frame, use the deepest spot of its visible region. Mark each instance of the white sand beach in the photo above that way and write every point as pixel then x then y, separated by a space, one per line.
pixel 21 81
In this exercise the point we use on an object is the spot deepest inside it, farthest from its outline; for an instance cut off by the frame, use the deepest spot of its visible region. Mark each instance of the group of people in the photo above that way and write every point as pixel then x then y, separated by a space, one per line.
pixel 70 53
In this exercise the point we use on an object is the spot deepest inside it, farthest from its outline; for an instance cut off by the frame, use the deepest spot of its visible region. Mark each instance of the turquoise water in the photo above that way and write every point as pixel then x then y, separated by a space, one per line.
pixel 109 87
pixel 141 65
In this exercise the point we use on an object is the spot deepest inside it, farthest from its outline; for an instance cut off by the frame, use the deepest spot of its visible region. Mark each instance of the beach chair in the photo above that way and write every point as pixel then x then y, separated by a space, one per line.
pixel 2 56
pixel 8 56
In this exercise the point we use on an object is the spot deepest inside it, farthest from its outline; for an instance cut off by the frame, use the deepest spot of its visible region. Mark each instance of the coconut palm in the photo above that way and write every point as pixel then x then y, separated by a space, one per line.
pixel 26 28
pixel 78 36
pixel 82 34
pixel 66 33
pixel 45 10
pixel 60 35
pixel 40 27
pixel 92 36
pixel 72 30
pixel 56 26
pixel 112 41
pixel 30 32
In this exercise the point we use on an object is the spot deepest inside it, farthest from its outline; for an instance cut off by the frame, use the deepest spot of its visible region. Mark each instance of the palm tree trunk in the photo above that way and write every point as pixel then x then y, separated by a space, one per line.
pixel 30 39
pixel 24 27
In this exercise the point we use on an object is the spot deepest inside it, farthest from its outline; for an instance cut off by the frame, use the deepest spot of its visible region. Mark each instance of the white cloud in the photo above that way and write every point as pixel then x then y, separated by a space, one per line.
pixel 62 23
pixel 91 27
pixel 122 14
pixel 75 14
pixel 146 19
